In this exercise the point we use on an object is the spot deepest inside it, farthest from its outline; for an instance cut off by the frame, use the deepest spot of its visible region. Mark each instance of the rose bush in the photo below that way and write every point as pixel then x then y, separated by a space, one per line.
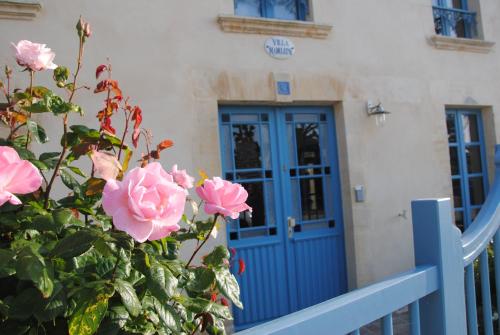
pixel 105 258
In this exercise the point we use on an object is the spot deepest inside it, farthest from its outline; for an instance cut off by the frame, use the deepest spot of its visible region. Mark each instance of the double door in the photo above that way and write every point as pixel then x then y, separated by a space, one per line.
pixel 292 243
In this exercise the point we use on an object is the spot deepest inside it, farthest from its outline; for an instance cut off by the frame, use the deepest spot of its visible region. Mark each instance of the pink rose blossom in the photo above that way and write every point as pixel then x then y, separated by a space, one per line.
pixel 223 197
pixel 35 56
pixel 16 176
pixel 147 204
pixel 182 178
pixel 106 165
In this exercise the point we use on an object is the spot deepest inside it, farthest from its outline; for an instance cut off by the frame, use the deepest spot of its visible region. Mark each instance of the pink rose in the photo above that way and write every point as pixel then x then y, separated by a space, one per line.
pixel 223 197
pixel 182 178
pixel 147 204
pixel 105 165
pixel 34 55
pixel 16 176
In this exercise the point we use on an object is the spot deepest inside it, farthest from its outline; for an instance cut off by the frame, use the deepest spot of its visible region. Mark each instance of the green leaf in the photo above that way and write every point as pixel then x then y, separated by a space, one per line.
pixel 168 315
pixel 116 319
pixel 37 131
pixel 70 138
pixel 7 263
pixel 40 165
pixel 161 282
pixel 45 223
pixel 77 171
pixel 37 107
pixel 221 311
pixel 227 284
pixel 61 74
pixel 52 307
pixel 49 159
pixel 31 266
pixel 74 245
pixel 23 153
pixel 24 304
pixel 217 256
pixel 129 297
pixel 87 318
pixel 80 129
pixel 62 216
pixel 71 182
pixel 203 279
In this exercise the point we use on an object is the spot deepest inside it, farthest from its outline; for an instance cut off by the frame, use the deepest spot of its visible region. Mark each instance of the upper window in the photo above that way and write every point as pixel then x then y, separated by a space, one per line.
pixel 275 9
pixel 453 18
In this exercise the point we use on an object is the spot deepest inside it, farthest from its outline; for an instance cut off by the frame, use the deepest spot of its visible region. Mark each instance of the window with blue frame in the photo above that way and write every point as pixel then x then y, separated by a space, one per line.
pixel 468 164
pixel 275 9
pixel 454 18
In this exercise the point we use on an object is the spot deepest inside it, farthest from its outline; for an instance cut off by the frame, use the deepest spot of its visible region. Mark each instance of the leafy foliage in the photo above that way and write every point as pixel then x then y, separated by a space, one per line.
pixel 64 269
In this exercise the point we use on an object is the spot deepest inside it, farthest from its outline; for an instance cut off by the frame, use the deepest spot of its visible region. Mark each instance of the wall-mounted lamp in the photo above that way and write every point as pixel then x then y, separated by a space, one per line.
pixel 378 111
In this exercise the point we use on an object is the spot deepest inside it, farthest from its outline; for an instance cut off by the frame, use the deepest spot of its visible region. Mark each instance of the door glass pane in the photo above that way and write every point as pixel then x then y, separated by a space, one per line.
pixel 454 161
pixel 307 141
pixel 470 128
pixel 459 219
pixel 247 7
pixel 295 199
pixel 228 156
pixel 246 146
pixel 457 193
pixel 255 200
pixel 476 190
pixel 311 193
pixel 474 213
pixel 473 154
pixel 452 130
pixel 266 146
pixel 284 9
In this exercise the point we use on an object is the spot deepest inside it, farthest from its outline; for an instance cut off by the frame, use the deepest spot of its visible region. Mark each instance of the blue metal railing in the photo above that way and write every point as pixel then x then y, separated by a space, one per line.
pixel 455 22
pixel 441 296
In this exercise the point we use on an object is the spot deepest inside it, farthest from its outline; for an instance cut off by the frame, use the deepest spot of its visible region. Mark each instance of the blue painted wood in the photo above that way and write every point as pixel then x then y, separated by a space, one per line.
pixel 284 274
pixel 348 312
pixel 415 318
pixel 470 299
pixel 387 327
pixel 496 250
pixel 437 241
pixel 477 237
pixel 486 293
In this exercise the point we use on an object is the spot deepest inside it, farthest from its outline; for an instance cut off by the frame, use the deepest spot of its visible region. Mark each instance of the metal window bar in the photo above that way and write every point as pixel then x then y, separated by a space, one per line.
pixel 455 22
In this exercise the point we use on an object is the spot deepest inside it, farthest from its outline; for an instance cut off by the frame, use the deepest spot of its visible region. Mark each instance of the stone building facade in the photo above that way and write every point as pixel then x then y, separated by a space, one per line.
pixel 197 67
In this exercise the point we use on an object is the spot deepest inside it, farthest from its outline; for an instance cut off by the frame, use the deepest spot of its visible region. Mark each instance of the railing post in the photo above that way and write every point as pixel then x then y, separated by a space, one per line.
pixel 437 242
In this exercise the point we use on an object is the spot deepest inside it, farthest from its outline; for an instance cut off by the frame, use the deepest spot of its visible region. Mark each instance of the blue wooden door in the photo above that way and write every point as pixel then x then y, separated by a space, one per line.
pixel 292 242
pixel 468 163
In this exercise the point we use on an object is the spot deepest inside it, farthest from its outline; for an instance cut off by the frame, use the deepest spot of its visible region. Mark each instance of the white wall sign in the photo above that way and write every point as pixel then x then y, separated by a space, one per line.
pixel 279 47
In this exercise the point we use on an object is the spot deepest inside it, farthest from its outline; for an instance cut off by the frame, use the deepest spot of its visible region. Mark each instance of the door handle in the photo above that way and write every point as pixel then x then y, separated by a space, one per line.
pixel 291 225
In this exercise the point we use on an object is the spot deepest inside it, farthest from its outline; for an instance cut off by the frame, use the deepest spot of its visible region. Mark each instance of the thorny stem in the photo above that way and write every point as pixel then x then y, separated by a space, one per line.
pixel 105 114
pixel 65 126
pixel 196 329
pixel 28 135
pixel 204 241
pixel 127 121
pixel 147 144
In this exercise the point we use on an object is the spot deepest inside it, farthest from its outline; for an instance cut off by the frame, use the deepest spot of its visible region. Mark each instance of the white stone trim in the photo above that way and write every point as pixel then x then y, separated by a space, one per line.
pixel 265 26
pixel 461 44
pixel 19 10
